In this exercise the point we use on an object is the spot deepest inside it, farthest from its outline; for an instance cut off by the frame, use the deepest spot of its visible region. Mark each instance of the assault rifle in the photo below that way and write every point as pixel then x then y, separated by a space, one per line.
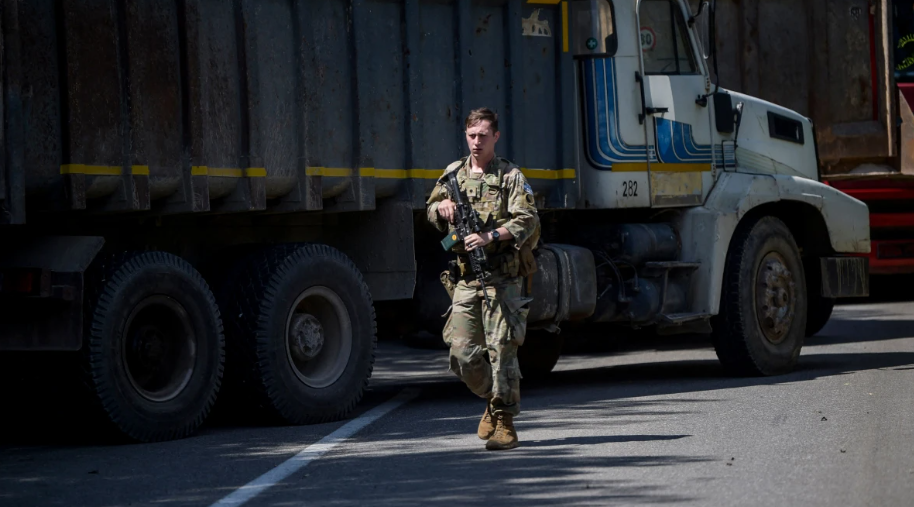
pixel 466 222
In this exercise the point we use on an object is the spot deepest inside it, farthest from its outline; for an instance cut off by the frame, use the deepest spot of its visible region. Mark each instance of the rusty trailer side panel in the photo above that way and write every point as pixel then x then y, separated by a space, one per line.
pixel 829 60
pixel 188 106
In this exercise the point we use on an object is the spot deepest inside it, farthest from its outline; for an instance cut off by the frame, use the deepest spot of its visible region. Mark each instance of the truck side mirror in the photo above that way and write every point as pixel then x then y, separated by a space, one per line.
pixel 723 112
pixel 705 26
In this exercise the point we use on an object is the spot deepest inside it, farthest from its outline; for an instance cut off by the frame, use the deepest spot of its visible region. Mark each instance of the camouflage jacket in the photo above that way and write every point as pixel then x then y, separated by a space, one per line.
pixel 508 203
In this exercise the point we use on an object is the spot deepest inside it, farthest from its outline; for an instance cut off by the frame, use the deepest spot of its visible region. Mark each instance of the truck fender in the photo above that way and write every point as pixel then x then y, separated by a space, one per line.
pixel 708 229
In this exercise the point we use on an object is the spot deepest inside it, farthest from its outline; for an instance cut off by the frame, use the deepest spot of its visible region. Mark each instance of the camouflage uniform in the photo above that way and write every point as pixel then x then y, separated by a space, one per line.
pixel 503 198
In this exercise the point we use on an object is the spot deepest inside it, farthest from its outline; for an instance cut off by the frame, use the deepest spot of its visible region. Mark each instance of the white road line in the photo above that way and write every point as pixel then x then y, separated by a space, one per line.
pixel 314 451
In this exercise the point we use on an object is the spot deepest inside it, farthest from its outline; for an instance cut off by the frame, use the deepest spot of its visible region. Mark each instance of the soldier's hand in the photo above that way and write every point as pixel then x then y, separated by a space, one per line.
pixel 447 210
pixel 474 241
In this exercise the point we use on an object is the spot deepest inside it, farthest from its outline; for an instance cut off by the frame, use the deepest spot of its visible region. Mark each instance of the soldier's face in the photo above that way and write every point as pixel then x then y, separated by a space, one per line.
pixel 481 140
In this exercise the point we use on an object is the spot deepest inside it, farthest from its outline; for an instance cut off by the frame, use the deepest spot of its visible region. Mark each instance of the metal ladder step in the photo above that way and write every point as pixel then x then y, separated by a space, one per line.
pixel 675 319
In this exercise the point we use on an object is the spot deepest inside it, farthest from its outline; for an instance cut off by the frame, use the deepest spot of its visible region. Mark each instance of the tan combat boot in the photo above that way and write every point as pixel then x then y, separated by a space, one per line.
pixel 486 425
pixel 505 436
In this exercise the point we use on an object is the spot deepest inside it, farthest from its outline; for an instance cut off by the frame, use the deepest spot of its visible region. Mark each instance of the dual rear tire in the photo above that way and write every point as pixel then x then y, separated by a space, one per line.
pixel 300 338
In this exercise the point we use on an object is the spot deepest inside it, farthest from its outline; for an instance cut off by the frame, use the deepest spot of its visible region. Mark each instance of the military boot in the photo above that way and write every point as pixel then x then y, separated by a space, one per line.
pixel 486 424
pixel 505 436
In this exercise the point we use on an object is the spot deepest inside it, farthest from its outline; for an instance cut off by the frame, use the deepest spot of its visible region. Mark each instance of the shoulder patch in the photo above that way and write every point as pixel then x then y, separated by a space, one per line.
pixel 527 188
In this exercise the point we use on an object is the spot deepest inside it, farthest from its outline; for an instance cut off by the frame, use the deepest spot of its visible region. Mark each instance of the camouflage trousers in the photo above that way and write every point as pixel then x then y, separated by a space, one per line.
pixel 475 333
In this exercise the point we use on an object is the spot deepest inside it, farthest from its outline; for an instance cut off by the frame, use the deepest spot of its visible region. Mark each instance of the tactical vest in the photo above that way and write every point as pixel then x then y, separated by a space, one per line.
pixel 487 194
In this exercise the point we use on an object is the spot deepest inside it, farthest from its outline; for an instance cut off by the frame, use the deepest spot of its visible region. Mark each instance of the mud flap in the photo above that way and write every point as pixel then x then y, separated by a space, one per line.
pixel 845 277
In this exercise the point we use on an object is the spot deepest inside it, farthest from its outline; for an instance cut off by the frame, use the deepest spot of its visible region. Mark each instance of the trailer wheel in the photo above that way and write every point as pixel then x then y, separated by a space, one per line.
pixel 303 325
pixel 762 320
pixel 154 349
pixel 539 354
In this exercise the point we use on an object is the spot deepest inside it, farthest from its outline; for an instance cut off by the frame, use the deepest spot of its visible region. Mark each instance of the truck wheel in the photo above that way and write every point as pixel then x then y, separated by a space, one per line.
pixel 539 354
pixel 154 348
pixel 303 324
pixel 762 320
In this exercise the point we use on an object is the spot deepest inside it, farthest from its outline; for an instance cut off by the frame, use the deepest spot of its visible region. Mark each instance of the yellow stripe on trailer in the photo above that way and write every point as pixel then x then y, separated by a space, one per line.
pixel 92 170
pixel 341 172
pixel 549 174
pixel 225 172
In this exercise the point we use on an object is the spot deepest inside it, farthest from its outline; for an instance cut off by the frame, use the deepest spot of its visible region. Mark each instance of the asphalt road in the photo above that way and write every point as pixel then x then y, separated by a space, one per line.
pixel 652 423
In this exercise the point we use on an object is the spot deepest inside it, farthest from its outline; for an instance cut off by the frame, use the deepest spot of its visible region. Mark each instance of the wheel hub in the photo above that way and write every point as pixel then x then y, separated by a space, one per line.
pixel 160 348
pixel 306 337
pixel 775 298
pixel 148 347
pixel 318 337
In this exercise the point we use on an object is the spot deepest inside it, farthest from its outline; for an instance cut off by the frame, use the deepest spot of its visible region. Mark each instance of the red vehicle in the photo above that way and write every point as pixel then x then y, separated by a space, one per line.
pixel 888 191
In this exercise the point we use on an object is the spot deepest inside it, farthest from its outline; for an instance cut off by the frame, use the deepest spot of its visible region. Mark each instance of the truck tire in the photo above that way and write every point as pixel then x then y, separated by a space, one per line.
pixel 762 319
pixel 154 350
pixel 539 354
pixel 302 331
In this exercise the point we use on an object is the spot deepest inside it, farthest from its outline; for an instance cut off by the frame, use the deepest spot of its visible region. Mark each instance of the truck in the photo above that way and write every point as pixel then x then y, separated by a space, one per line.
pixel 206 199
pixel 849 65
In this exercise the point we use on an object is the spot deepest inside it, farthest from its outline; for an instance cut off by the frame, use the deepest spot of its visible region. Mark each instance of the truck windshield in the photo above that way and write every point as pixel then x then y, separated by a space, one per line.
pixel 664 39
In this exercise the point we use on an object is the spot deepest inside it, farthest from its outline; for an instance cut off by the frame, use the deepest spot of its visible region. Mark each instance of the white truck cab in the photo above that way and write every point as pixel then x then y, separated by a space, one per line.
pixel 757 245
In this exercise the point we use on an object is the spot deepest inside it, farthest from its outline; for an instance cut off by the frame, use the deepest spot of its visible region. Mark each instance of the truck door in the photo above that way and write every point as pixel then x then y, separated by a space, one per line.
pixel 678 125
pixel 613 145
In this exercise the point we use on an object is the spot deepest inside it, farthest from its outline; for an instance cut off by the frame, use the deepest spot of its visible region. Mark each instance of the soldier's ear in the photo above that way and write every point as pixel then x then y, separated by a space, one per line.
pixel 497 135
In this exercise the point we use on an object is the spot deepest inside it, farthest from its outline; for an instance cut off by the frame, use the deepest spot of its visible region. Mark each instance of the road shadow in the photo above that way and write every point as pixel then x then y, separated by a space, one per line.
pixel 426 452
pixel 556 442
pixel 860 329
pixel 427 460
pixel 414 459
pixel 885 289
pixel 655 378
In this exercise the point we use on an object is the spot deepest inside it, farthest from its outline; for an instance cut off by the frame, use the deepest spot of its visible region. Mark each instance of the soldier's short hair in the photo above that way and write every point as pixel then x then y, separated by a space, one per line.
pixel 482 114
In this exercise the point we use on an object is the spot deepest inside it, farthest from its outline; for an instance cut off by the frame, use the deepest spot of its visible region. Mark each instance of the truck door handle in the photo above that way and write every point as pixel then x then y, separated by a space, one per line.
pixel 643 113
pixel 646 111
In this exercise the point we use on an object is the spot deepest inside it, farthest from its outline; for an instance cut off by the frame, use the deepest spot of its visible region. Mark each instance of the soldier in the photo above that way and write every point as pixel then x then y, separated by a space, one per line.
pixel 498 191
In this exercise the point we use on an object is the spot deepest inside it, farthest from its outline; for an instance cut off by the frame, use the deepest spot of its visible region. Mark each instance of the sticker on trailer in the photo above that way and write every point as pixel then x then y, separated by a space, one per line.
pixel 648 38
pixel 534 26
